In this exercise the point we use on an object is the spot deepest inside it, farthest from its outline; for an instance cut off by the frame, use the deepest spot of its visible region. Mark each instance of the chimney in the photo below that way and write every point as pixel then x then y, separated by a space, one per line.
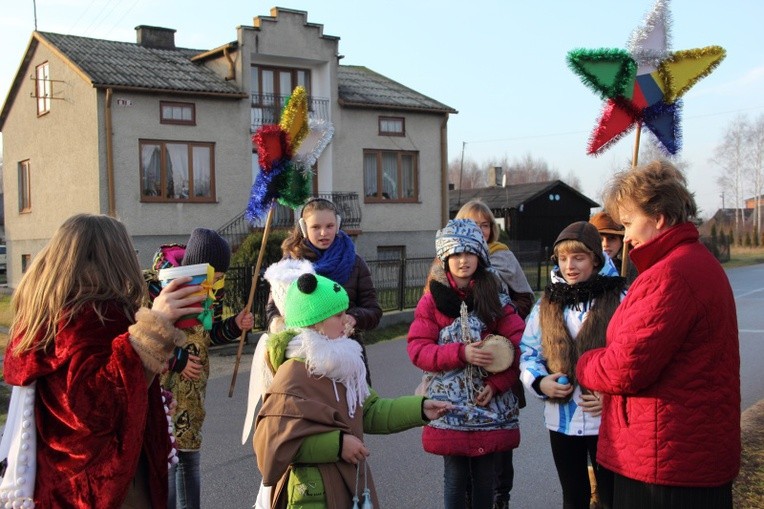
pixel 155 37
pixel 495 176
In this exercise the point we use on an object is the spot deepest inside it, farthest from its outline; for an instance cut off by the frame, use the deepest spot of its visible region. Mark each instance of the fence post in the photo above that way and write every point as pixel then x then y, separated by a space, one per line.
pixel 402 284
pixel 538 270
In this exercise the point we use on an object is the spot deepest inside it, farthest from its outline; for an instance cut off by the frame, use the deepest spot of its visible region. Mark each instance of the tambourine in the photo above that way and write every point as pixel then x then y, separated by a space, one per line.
pixel 503 352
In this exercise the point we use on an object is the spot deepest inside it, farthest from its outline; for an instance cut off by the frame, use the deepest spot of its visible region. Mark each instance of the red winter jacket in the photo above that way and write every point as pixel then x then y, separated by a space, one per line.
pixel 94 413
pixel 671 369
pixel 427 354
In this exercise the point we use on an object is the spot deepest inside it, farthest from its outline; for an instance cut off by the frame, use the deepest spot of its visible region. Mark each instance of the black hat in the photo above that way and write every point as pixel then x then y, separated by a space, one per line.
pixel 206 246
pixel 587 234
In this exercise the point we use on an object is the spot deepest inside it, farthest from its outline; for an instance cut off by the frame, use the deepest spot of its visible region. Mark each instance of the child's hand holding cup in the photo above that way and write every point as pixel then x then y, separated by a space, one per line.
pixel 198 274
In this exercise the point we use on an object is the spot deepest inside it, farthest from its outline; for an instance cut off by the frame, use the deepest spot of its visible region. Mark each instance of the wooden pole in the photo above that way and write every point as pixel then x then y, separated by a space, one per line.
pixel 634 162
pixel 253 287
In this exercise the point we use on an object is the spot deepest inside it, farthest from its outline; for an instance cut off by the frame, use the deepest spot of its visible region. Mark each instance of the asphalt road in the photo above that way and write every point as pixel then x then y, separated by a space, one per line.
pixel 407 477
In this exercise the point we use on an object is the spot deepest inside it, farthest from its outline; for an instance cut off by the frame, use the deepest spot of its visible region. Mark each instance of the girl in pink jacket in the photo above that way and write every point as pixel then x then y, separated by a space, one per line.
pixel 462 304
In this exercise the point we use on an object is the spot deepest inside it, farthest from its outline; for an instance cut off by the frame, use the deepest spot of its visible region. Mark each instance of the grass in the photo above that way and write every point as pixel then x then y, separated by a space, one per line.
pixel 743 256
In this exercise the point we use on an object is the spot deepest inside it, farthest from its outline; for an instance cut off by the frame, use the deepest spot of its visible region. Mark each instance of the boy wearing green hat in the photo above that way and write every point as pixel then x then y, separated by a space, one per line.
pixel 309 431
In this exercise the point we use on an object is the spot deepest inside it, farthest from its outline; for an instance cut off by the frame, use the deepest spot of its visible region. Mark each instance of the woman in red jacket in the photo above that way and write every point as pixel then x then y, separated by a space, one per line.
pixel 670 369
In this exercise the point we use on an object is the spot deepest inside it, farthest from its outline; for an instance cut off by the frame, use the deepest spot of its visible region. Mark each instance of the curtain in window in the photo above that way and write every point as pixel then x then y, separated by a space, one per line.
pixel 151 160
pixel 370 175
pixel 407 172
pixel 201 166
pixel 177 170
pixel 389 176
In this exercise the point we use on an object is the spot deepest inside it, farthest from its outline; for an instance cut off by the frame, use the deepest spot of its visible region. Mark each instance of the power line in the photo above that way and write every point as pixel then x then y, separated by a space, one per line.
pixel 569 133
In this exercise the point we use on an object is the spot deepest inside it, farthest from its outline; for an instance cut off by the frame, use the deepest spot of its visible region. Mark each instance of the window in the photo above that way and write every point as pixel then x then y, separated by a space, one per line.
pixel 270 88
pixel 177 113
pixel 390 175
pixel 42 89
pixel 392 126
pixel 25 192
pixel 173 171
pixel 26 260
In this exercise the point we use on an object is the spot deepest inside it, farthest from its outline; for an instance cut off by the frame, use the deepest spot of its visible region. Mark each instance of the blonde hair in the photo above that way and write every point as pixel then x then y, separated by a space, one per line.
pixel 572 246
pixel 655 188
pixel 90 261
pixel 294 245
pixel 476 210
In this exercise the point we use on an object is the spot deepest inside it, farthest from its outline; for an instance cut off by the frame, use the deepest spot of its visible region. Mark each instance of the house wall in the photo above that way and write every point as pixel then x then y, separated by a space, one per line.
pixel 386 224
pixel 276 42
pixel 62 147
pixel 225 122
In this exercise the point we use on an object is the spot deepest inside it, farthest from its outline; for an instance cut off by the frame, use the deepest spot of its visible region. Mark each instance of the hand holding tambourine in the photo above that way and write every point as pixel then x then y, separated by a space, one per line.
pixel 494 353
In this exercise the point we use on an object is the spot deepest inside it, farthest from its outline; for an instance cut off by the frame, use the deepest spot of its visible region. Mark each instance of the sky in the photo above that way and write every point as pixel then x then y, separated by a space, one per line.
pixel 500 63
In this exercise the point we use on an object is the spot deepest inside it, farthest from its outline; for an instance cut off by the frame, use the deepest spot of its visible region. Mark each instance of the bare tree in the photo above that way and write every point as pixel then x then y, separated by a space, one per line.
pixel 755 143
pixel 465 174
pixel 468 174
pixel 649 151
pixel 730 155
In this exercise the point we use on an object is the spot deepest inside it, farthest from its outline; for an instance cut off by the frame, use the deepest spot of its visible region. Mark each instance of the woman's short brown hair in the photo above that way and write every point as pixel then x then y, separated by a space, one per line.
pixel 655 188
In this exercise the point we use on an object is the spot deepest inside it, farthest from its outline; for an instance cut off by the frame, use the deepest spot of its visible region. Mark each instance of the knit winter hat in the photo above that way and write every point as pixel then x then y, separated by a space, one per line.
pixel 312 299
pixel 461 236
pixel 280 275
pixel 587 234
pixel 206 246
pixel 605 224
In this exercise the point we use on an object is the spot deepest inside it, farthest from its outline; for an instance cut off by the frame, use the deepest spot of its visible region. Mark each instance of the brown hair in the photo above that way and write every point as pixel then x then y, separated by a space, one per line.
pixel 476 209
pixel 294 246
pixel 486 295
pixel 90 261
pixel 655 188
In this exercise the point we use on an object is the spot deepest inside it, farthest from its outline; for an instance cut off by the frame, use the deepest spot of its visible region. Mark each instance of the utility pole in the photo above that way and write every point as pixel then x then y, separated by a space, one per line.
pixel 461 173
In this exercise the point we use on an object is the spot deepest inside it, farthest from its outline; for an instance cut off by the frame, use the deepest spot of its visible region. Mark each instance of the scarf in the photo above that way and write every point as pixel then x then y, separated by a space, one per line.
pixel 603 295
pixel 339 360
pixel 337 261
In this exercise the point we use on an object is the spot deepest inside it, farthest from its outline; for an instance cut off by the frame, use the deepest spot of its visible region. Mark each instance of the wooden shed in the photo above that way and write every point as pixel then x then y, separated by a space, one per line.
pixel 536 211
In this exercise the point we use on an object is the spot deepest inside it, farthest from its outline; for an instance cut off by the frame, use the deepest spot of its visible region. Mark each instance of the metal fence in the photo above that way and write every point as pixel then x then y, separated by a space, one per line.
pixel 399 283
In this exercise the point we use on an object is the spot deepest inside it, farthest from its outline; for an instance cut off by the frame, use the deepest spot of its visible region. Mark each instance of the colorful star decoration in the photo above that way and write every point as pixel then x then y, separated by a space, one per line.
pixel 642 86
pixel 286 154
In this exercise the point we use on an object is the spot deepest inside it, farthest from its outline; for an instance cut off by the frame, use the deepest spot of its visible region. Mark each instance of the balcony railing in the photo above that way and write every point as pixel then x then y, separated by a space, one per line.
pixel 266 109
pixel 236 230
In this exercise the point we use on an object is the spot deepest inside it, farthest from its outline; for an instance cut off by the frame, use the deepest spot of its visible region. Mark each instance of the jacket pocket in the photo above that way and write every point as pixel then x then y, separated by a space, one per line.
pixel 306 488
pixel 624 410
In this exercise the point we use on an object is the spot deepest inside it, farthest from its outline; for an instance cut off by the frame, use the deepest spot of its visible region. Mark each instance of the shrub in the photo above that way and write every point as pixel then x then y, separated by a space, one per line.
pixel 246 255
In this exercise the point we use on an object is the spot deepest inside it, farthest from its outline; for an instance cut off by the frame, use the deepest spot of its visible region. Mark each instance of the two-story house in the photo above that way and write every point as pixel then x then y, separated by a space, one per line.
pixel 160 137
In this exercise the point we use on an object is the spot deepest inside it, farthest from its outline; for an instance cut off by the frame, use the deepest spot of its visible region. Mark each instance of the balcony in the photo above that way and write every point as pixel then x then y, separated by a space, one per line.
pixel 236 230
pixel 267 108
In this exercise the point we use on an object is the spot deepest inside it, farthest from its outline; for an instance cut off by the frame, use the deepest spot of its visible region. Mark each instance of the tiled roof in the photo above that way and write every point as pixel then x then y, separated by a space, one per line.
pixel 124 64
pixel 362 87
pixel 510 197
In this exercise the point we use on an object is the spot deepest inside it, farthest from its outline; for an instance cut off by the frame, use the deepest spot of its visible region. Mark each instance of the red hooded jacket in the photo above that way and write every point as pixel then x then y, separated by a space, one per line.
pixel 671 369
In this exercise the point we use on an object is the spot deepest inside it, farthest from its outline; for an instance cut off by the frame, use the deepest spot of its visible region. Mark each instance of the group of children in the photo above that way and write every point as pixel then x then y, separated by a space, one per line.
pixel 83 323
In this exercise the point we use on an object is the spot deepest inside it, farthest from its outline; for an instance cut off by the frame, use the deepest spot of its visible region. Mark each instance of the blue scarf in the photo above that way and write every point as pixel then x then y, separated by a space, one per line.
pixel 338 260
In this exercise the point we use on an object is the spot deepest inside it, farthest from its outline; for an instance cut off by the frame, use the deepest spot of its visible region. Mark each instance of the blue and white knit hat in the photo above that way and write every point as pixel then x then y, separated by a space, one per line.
pixel 461 236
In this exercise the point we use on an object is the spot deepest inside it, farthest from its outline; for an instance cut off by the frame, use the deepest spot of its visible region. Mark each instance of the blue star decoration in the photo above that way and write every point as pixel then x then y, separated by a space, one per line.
pixel 643 85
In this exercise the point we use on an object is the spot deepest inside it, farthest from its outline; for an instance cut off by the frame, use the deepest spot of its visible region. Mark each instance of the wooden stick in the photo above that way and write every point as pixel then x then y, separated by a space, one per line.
pixel 253 287
pixel 634 162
